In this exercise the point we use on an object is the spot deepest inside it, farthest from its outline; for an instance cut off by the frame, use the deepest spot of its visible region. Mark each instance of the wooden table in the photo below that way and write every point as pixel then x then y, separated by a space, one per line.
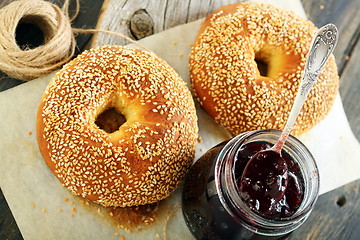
pixel 337 213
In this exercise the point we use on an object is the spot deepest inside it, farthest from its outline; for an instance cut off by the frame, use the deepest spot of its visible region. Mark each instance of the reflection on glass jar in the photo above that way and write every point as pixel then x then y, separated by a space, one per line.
pixel 212 204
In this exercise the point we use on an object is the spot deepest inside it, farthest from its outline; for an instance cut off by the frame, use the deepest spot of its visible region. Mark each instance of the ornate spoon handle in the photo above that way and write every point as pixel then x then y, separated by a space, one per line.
pixel 321 48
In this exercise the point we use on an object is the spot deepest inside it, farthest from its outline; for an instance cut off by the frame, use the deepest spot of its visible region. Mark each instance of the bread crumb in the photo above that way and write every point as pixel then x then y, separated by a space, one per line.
pixel 174 42
pixel 122 237
pixel 33 205
pixel 181 54
pixel 59 210
pixel 347 58
pixel 43 210
pixel 201 150
pixel 321 6
pixel 191 44
pixel 87 203
pixel 71 202
pixel 30 133
pixel 111 214
pixel 116 233
pixel 73 209
pixel 72 215
pixel 157 235
pixel 66 199
pixel 98 210
pixel 199 139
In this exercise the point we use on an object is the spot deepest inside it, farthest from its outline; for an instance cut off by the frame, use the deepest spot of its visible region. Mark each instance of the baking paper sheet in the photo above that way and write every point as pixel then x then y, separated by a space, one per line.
pixel 35 196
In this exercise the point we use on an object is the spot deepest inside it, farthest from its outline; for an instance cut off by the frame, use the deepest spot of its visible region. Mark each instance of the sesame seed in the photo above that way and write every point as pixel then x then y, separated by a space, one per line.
pixel 225 75
pixel 98 166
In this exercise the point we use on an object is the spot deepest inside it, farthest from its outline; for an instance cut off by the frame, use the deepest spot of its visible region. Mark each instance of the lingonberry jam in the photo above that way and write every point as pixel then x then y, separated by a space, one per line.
pixel 214 201
pixel 273 189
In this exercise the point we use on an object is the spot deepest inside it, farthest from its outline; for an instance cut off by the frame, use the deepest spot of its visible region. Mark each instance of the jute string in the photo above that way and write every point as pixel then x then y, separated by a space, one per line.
pixel 59 41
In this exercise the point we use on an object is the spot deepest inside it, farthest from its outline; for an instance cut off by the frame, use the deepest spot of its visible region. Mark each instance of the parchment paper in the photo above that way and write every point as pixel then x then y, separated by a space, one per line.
pixel 35 195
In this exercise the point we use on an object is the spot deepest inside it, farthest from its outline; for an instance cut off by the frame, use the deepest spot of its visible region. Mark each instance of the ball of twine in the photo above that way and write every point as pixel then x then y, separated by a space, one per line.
pixel 59 41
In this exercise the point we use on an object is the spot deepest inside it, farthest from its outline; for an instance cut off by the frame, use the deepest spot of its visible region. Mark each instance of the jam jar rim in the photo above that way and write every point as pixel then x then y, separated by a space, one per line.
pixel 264 225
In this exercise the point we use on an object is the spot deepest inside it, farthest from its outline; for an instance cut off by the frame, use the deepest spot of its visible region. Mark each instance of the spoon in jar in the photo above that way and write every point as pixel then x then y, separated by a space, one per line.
pixel 265 176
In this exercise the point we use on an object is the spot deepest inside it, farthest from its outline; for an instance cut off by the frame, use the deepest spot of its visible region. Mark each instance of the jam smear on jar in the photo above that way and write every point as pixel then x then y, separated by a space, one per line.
pixel 271 187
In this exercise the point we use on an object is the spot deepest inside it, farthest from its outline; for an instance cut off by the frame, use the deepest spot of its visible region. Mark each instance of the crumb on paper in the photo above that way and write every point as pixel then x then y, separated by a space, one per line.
pixel 33 205
pixel 111 214
pixel 71 202
pixel 181 54
pixel 73 209
pixel 174 42
pixel 43 210
pixel 30 133
pixel 347 58
pixel 201 150
pixel 191 44
pixel 66 199
pixel 98 210
pixel 321 6
pixel 116 233
pixel 59 210
pixel 122 237
pixel 199 139
pixel 157 235
pixel 72 215
pixel 87 203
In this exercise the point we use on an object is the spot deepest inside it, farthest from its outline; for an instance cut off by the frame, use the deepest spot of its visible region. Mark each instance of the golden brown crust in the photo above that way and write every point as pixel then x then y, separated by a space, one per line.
pixel 226 79
pixel 142 162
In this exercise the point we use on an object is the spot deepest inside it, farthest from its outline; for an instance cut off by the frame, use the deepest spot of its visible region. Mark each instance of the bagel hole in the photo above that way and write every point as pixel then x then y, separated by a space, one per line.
pixel 262 67
pixel 30 32
pixel 110 120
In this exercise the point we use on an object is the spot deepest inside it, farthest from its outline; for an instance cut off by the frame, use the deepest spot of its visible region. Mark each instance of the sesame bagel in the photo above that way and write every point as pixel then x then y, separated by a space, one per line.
pixel 146 157
pixel 224 68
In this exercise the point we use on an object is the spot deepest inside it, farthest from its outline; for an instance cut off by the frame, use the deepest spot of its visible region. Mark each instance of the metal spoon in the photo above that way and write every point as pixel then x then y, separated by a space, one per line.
pixel 270 162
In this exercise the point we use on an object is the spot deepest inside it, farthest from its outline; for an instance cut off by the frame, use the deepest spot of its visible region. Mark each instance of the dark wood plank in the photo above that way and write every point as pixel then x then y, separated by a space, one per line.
pixel 350 90
pixel 8 227
pixel 336 215
pixel 344 14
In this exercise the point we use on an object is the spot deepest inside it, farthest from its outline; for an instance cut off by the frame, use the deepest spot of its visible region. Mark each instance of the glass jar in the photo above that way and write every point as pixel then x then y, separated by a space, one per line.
pixel 212 206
